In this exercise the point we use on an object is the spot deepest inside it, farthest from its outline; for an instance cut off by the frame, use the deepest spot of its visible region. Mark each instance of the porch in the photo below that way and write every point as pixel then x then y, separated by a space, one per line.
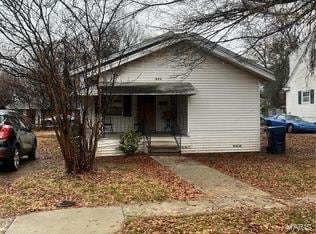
pixel 157 111
pixel 161 120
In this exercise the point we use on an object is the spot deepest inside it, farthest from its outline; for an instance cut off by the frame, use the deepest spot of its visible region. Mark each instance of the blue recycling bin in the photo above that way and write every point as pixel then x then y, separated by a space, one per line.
pixel 276 140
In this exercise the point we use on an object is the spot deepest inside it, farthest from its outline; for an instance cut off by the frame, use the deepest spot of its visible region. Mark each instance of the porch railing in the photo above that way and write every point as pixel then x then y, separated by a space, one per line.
pixel 177 134
pixel 147 137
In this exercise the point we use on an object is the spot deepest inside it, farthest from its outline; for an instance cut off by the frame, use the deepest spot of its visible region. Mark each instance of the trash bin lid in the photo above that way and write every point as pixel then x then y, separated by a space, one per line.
pixel 277 130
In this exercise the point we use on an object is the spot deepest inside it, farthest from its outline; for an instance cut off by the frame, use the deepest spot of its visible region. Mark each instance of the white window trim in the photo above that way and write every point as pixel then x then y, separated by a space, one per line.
pixel 309 96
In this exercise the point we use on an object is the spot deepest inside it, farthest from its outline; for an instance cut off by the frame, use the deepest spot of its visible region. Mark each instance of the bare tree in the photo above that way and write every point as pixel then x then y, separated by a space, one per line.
pixel 46 40
pixel 226 21
pixel 273 53
pixel 6 90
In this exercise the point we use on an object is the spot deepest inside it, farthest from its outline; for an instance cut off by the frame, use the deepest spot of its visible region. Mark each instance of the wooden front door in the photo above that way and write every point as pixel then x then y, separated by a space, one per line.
pixel 146 112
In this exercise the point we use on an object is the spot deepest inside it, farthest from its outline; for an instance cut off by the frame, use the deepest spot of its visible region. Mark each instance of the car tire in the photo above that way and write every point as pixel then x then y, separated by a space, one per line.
pixel 13 162
pixel 289 128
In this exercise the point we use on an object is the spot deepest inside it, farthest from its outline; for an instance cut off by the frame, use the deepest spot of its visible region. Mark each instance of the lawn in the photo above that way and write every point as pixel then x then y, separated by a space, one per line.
pixel 293 219
pixel 39 185
pixel 284 176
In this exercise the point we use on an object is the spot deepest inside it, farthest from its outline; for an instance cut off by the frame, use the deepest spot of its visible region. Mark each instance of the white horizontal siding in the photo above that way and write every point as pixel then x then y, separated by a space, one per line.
pixel 225 112
pixel 300 80
pixel 110 147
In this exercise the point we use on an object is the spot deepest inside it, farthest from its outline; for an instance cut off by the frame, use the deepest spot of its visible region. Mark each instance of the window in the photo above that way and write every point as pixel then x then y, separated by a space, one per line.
pixel 293 117
pixel 305 97
pixel 14 121
pixel 115 107
pixel 2 118
pixel 281 117
pixel 119 106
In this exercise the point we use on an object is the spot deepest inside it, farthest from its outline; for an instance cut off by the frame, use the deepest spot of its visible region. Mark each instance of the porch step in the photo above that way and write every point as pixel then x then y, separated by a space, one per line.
pixel 166 154
pixel 162 139
pixel 164 146
pixel 165 151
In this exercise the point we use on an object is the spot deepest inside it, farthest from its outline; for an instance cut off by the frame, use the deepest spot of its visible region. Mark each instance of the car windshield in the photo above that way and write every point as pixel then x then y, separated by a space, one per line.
pixel 293 117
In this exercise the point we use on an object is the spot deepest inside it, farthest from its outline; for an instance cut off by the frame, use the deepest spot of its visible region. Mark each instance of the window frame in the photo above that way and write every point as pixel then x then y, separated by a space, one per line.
pixel 307 97
pixel 124 111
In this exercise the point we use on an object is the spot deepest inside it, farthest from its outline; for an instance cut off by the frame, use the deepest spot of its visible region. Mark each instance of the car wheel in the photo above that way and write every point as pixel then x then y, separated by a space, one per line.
pixel 13 162
pixel 289 128
pixel 268 124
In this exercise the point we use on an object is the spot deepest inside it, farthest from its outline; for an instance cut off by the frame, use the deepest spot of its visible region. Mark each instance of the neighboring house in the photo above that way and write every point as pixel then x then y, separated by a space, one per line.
pixel 301 86
pixel 214 104
pixel 31 111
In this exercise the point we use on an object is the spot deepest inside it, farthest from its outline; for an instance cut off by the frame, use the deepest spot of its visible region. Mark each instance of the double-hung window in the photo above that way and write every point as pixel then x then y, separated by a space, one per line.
pixel 306 97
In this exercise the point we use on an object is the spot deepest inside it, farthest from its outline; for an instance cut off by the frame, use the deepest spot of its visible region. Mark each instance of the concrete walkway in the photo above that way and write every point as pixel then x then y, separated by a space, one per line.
pixel 209 180
pixel 110 219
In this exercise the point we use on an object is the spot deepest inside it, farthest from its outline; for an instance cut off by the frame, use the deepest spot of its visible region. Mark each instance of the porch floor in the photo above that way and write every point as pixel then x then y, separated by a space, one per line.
pixel 160 142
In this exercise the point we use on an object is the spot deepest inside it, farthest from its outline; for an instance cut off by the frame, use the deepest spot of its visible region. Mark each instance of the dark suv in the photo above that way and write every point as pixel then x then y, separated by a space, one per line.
pixel 16 140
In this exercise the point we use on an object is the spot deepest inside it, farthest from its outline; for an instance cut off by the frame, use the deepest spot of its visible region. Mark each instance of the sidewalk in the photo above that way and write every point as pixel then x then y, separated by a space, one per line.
pixel 110 219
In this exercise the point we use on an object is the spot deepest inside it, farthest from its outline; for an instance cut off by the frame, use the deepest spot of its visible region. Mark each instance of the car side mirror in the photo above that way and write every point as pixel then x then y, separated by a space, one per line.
pixel 283 120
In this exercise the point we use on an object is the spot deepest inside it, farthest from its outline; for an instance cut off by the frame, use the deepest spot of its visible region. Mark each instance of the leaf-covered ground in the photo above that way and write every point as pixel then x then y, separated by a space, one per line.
pixel 285 176
pixel 39 185
pixel 294 219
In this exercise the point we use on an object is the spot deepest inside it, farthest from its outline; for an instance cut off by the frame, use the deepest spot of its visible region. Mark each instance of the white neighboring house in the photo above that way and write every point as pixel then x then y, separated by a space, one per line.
pixel 301 86
pixel 213 108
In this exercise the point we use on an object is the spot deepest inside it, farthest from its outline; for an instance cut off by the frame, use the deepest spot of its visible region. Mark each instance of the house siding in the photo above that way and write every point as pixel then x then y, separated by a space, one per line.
pixel 223 116
pixel 300 80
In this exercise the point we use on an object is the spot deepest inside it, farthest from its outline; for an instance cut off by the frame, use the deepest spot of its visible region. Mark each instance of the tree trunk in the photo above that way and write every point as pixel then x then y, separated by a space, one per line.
pixel 78 157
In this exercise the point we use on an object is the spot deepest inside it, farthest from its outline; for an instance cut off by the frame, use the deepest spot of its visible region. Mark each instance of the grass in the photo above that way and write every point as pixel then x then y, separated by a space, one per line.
pixel 39 185
pixel 284 176
pixel 293 219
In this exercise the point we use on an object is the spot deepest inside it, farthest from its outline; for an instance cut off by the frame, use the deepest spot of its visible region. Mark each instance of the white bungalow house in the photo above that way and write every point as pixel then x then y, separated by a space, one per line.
pixel 209 105
pixel 301 86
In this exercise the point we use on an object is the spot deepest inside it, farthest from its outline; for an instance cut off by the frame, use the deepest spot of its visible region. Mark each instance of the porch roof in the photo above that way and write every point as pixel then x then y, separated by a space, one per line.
pixel 154 88
pixel 151 88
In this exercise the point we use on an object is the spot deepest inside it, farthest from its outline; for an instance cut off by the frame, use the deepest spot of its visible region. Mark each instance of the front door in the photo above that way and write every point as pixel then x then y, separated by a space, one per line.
pixel 146 106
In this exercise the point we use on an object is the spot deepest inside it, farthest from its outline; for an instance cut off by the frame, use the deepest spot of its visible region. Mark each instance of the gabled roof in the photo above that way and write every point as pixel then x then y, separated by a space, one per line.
pixel 300 54
pixel 154 44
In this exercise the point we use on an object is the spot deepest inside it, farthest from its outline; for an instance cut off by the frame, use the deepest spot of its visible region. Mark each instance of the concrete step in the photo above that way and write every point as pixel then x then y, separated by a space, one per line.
pixel 162 139
pixel 164 144
pixel 166 153
pixel 164 150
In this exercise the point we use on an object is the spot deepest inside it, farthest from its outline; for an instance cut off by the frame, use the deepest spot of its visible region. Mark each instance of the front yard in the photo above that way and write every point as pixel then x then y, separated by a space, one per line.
pixel 294 220
pixel 284 176
pixel 39 185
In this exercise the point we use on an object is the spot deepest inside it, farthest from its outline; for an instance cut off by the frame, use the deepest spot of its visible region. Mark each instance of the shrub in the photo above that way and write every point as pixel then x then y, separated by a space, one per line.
pixel 129 142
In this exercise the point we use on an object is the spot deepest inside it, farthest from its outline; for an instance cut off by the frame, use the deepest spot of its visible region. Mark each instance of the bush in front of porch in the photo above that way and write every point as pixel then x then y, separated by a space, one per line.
pixel 129 142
